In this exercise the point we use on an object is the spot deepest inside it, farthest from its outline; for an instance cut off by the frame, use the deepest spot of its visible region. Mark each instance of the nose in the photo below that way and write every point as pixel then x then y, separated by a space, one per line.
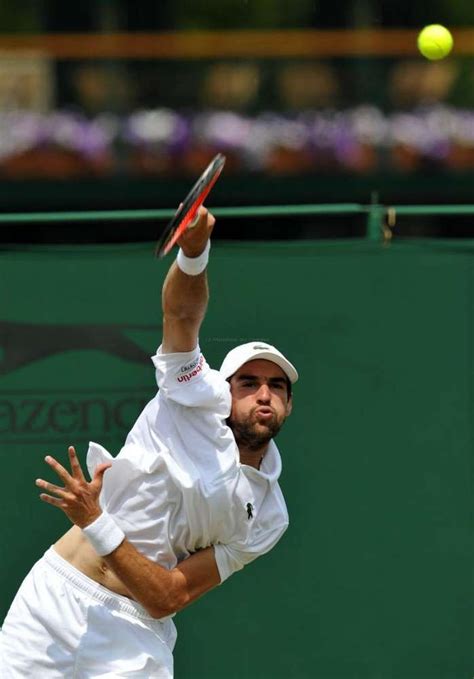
pixel 264 394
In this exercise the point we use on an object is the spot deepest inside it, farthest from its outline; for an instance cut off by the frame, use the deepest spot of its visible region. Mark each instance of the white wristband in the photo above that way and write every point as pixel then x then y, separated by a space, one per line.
pixel 104 534
pixel 193 266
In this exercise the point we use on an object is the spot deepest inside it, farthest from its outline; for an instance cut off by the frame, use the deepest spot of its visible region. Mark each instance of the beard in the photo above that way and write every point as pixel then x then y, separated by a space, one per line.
pixel 250 433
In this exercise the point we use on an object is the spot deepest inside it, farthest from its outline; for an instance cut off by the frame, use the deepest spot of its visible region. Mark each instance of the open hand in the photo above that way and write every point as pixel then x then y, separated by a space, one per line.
pixel 78 499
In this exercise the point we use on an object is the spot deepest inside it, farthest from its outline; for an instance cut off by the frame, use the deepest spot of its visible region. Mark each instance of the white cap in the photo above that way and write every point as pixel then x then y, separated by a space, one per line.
pixel 250 352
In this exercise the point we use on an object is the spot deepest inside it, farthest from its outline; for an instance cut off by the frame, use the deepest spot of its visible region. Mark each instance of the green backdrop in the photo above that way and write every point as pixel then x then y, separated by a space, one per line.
pixel 373 579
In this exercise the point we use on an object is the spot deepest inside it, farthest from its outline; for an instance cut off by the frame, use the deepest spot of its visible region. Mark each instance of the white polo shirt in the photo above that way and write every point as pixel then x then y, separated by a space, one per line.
pixel 178 486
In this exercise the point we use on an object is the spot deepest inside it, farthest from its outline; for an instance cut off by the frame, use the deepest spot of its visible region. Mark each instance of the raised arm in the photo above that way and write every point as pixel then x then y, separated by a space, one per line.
pixel 185 297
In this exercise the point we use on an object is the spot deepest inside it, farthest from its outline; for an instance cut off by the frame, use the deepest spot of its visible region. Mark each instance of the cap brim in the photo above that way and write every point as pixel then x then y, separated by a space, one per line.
pixel 283 363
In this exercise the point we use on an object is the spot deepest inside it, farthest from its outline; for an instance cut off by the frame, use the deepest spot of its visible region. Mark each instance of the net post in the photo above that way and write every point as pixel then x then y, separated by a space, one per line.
pixel 375 215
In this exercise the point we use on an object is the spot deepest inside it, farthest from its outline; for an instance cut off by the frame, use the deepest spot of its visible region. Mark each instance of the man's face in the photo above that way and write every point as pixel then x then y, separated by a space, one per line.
pixel 260 403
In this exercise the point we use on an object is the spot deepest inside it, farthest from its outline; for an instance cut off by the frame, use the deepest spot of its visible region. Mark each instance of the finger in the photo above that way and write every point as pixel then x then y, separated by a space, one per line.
pixel 211 220
pixel 195 221
pixel 75 465
pixel 52 488
pixel 198 218
pixel 99 473
pixel 52 500
pixel 63 474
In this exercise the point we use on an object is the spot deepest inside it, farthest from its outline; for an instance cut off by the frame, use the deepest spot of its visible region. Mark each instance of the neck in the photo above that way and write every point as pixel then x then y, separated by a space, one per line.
pixel 253 458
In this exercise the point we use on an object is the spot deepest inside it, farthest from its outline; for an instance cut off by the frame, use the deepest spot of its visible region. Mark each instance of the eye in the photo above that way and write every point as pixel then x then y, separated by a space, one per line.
pixel 279 385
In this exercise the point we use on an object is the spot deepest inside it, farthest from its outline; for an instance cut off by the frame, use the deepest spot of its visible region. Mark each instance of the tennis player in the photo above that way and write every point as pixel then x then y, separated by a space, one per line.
pixel 192 497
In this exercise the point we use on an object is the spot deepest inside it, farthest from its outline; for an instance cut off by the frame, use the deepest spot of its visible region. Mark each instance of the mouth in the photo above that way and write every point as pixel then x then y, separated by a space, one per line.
pixel 264 413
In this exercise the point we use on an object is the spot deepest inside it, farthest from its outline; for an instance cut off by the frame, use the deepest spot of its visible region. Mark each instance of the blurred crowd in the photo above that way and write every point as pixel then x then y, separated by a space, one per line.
pixel 161 141
pixel 301 117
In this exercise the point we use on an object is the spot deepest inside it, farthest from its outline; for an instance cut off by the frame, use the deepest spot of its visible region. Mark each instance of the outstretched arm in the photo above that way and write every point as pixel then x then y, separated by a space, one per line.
pixel 160 591
pixel 185 297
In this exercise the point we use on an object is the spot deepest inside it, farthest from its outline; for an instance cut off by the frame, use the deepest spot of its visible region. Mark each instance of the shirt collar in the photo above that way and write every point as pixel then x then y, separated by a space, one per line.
pixel 270 469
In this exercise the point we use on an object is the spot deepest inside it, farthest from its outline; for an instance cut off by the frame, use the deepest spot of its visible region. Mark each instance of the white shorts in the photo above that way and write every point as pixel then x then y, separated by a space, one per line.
pixel 63 625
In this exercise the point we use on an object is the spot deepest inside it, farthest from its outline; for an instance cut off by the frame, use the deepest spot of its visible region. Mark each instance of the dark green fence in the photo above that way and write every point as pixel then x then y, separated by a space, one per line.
pixel 373 579
pixel 380 220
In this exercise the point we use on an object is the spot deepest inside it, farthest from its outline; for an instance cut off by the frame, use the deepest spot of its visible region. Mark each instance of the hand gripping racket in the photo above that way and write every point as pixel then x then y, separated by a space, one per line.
pixel 189 207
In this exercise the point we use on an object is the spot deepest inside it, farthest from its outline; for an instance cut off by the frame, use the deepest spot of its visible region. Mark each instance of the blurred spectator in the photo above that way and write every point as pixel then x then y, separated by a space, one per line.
pixel 419 83
pixel 423 143
pixel 101 88
pixel 26 82
pixel 47 162
pixel 231 86
pixel 308 86
pixel 59 145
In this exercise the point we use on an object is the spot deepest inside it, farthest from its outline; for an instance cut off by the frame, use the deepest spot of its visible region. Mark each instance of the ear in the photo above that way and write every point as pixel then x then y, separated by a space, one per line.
pixel 289 406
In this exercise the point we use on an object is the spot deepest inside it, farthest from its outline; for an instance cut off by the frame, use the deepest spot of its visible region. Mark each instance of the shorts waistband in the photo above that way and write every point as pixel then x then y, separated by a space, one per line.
pixel 94 589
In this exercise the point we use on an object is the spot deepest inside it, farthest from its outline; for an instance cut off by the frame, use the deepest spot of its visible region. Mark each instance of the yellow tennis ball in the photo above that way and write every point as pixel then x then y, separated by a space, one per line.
pixel 435 42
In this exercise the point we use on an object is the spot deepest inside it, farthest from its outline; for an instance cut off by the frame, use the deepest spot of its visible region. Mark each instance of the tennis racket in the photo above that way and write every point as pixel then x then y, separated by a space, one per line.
pixel 188 209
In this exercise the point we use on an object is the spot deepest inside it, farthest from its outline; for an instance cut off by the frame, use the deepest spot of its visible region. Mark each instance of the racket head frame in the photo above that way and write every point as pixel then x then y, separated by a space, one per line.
pixel 189 207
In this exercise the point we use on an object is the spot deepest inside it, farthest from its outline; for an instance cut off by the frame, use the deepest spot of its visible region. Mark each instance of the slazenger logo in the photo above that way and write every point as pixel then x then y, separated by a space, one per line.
pixel 260 347
pixel 189 376
pixel 69 410
pixel 25 343
pixel 32 415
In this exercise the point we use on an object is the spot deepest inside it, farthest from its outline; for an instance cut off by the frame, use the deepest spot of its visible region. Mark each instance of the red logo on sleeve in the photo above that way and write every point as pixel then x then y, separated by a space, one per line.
pixel 189 375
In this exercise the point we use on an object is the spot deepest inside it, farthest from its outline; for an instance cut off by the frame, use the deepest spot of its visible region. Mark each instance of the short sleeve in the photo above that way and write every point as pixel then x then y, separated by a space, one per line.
pixel 187 379
pixel 233 557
